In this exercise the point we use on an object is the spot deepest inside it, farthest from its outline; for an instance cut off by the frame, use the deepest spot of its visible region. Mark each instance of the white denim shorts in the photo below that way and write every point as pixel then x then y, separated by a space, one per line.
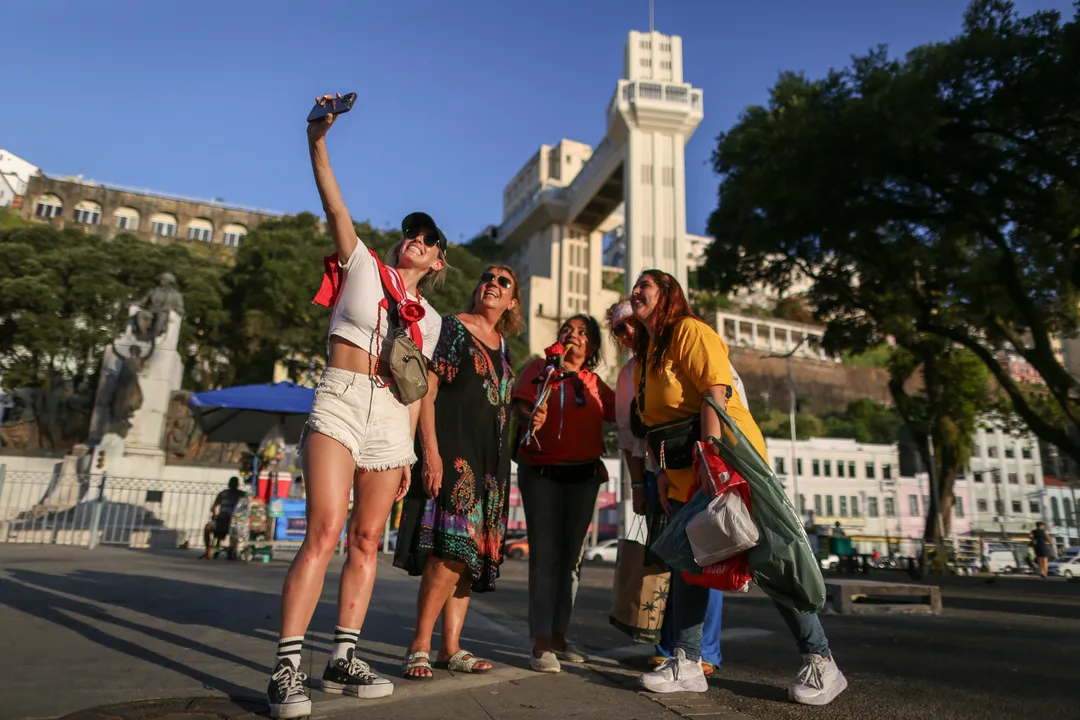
pixel 362 414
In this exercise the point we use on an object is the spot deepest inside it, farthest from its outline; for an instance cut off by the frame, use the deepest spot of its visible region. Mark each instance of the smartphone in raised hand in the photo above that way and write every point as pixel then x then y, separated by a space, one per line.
pixel 334 106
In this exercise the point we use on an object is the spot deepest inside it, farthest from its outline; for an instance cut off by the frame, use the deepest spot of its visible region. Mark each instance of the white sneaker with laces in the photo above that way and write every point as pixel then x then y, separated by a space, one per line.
pixel 819 681
pixel 676 674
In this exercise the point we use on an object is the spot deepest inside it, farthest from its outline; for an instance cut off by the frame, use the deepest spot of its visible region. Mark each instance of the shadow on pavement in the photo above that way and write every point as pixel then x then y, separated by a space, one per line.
pixel 83 602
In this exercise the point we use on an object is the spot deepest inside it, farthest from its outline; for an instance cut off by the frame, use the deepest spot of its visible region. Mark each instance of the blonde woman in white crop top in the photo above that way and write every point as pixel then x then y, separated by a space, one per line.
pixel 359 437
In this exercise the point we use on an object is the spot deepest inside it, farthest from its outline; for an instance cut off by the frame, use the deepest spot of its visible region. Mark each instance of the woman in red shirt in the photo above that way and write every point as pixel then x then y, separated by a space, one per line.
pixel 559 474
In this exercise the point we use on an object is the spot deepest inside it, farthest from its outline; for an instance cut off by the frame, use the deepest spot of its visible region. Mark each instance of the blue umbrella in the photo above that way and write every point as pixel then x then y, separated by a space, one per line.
pixel 247 413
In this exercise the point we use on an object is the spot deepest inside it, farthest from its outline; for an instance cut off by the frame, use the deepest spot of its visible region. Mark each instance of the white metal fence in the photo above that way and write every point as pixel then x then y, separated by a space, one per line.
pixel 88 510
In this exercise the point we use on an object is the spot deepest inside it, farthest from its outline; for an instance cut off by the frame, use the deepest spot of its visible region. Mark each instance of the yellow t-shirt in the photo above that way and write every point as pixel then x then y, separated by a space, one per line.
pixel 696 360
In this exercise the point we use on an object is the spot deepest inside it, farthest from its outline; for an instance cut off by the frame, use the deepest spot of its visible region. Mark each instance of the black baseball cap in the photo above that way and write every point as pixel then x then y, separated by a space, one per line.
pixel 423 220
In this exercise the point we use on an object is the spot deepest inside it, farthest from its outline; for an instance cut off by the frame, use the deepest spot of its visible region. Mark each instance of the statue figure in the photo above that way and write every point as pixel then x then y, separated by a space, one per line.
pixel 152 321
pixel 126 395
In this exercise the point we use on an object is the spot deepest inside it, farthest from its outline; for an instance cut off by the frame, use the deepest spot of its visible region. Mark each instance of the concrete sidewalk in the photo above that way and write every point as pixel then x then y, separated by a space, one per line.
pixel 89 629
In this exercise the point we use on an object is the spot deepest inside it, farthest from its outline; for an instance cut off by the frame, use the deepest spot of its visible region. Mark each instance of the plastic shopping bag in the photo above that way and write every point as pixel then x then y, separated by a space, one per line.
pixel 735 533
pixel 731 575
pixel 725 527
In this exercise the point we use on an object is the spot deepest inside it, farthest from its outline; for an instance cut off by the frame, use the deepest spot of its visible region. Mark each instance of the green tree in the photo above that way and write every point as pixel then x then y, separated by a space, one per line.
pixel 954 399
pixel 64 296
pixel 935 195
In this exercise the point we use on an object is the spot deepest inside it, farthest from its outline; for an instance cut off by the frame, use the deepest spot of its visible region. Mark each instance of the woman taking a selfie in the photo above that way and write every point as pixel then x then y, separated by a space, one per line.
pixel 454 520
pixel 559 474
pixel 358 436
pixel 685 362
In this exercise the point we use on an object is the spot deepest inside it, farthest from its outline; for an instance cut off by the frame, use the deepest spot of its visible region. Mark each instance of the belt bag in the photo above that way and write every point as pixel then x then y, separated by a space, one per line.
pixel 576 473
pixel 672 444
pixel 407 367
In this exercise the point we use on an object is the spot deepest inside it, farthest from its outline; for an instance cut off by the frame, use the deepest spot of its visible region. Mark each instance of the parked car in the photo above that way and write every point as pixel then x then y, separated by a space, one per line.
pixel 1066 565
pixel 517 549
pixel 604 551
pixel 1000 560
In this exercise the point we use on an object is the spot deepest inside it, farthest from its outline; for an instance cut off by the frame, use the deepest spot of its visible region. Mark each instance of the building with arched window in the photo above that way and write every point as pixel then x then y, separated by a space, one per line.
pixel 111 210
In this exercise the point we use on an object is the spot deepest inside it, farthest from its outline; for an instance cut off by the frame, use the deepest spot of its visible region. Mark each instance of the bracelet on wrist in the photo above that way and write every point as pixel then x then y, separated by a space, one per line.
pixel 637 486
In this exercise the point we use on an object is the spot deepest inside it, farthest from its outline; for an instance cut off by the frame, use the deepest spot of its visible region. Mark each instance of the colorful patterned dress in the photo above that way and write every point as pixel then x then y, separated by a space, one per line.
pixel 467 521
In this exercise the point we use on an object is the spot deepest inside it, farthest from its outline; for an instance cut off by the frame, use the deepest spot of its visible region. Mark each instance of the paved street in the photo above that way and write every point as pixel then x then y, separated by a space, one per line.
pixel 93 628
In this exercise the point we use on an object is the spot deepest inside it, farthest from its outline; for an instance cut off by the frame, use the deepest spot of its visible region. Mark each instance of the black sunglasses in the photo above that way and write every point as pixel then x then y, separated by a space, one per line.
pixel 431 239
pixel 503 281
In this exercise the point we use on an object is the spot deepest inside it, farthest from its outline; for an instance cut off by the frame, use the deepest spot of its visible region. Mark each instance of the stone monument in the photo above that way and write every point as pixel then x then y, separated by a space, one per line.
pixel 140 370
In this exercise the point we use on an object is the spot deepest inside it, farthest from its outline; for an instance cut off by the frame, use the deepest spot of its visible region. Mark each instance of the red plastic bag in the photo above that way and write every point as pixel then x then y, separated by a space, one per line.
pixel 716 477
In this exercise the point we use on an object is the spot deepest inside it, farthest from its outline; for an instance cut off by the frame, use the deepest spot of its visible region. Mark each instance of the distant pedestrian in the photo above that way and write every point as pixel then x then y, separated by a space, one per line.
pixel 221 515
pixel 1040 543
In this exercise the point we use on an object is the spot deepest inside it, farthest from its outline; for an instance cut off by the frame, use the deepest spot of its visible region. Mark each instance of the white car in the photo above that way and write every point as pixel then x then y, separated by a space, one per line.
pixel 606 551
pixel 1066 565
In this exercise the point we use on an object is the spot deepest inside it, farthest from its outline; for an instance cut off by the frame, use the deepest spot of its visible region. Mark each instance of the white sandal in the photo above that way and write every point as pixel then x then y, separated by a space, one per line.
pixel 413 661
pixel 463 661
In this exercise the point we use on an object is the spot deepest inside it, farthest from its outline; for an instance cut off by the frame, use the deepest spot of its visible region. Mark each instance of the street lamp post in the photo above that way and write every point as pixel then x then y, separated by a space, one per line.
pixel 791 419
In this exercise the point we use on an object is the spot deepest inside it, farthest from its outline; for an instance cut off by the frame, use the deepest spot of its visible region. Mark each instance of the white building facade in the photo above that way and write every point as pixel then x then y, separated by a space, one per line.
pixel 559 207
pixel 1062 502
pixel 843 481
pixel 14 175
pixel 1007 487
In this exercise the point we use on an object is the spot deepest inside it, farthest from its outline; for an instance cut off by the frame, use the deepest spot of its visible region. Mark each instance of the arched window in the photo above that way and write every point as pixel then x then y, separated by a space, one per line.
pixel 163 224
pixel 200 229
pixel 232 234
pixel 1055 512
pixel 88 212
pixel 48 206
pixel 127 218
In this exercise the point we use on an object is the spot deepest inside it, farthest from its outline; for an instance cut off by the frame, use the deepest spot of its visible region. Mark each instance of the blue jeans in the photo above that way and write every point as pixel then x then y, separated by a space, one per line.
pixel 710 631
pixel 690 605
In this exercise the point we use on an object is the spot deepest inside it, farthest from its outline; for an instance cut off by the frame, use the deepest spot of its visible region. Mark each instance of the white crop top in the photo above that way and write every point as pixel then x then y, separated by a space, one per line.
pixel 357 312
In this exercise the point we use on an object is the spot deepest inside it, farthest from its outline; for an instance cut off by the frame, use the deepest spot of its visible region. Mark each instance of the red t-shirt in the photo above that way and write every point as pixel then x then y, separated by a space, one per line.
pixel 572 432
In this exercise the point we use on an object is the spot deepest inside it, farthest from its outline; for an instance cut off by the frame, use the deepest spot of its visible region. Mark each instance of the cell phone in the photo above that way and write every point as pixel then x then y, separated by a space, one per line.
pixel 335 106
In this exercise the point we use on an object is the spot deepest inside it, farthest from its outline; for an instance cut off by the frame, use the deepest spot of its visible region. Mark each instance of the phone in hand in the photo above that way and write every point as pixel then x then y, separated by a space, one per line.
pixel 334 106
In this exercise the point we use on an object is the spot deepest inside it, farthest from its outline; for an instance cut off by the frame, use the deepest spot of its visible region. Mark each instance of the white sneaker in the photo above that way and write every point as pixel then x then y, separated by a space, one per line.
pixel 572 654
pixel 546 663
pixel 676 674
pixel 818 682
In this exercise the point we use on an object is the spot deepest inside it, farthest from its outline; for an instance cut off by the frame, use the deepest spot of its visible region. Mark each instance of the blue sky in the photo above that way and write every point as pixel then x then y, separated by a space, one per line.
pixel 209 98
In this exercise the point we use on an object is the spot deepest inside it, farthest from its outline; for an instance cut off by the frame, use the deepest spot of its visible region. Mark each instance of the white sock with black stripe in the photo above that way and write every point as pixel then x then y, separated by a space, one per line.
pixel 289 648
pixel 344 641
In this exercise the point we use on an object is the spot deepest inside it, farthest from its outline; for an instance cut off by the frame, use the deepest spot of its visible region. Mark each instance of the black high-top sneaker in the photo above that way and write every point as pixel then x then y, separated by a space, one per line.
pixel 352 676
pixel 286 694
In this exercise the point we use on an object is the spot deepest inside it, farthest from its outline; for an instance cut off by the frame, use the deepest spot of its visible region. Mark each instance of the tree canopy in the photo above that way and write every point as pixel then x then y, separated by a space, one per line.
pixel 64 295
pixel 932 199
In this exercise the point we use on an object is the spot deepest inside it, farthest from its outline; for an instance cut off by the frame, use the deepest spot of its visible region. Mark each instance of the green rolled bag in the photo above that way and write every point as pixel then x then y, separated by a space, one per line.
pixel 783 563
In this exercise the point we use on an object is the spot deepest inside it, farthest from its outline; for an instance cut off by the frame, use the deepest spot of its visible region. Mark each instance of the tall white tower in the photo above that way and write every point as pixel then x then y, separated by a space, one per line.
pixel 558 208
pixel 655 113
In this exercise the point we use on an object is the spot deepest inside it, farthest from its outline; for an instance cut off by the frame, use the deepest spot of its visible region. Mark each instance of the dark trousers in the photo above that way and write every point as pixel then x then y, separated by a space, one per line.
pixel 557 517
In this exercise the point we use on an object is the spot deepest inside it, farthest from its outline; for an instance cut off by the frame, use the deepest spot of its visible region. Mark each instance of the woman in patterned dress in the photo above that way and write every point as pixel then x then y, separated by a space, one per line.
pixel 454 519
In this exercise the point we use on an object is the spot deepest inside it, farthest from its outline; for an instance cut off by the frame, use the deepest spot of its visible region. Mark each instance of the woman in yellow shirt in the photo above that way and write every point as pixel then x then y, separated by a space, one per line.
pixel 682 362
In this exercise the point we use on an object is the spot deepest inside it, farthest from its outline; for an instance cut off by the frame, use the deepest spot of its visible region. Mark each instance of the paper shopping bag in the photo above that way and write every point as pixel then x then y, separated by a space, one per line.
pixel 639 598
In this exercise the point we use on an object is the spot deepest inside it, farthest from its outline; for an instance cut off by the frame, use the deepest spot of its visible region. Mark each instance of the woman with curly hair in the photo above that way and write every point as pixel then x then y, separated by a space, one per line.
pixel 559 474
pixel 452 532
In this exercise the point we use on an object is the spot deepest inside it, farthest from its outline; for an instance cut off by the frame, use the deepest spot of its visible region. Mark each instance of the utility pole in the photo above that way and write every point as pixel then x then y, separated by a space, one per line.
pixel 796 500
pixel 998 504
